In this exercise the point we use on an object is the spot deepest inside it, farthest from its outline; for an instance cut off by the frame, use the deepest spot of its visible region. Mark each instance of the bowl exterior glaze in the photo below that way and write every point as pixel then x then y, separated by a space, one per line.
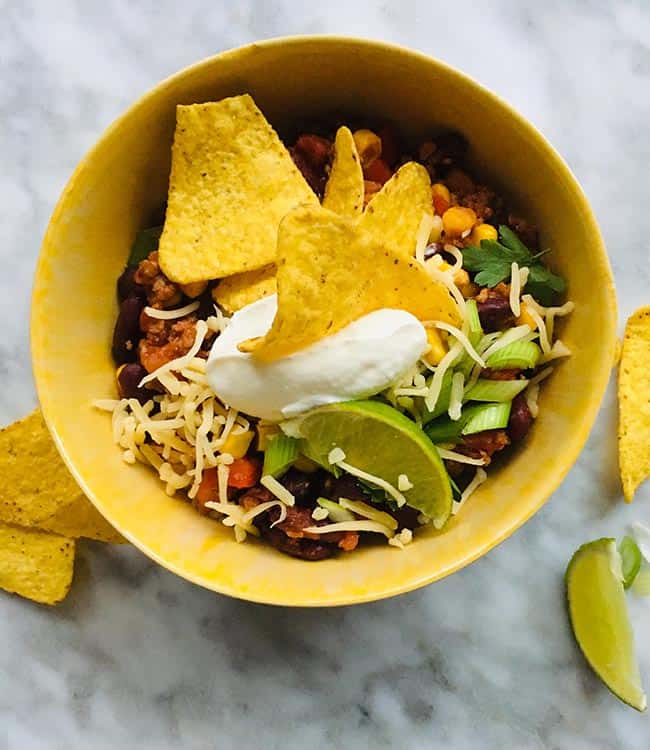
pixel 119 187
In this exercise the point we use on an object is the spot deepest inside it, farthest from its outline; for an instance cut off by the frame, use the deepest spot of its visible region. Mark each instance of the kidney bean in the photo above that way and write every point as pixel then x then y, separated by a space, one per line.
pixel 128 381
pixel 432 248
pixel 128 287
pixel 315 149
pixel 520 418
pixel 127 331
pixel 495 313
pixel 304 487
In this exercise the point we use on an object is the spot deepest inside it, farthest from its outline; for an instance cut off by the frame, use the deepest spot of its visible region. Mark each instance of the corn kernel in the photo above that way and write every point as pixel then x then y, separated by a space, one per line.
pixel 237 443
pixel 465 286
pixel 525 318
pixel 457 220
pixel 368 145
pixel 438 348
pixel 194 289
pixel 440 190
pixel 482 232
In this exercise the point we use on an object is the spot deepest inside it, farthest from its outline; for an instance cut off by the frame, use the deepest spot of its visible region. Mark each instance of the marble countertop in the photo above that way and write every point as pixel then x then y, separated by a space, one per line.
pixel 139 658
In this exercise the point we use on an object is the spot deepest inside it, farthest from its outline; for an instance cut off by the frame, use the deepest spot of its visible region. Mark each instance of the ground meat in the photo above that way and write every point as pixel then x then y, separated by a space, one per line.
pixel 289 536
pixel 494 308
pixel 506 374
pixel 161 292
pixel 165 340
pixel 484 444
pixel 483 201
pixel 311 154
pixel 520 419
pixel 527 232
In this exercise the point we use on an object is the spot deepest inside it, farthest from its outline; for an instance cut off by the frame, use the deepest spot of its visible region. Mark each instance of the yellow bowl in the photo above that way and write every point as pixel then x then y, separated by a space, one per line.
pixel 121 184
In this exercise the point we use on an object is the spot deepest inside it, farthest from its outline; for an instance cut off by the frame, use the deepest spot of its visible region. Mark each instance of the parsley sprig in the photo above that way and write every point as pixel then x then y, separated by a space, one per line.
pixel 493 262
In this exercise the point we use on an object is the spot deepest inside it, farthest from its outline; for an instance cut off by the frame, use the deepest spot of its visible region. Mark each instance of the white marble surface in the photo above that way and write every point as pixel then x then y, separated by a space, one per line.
pixel 137 658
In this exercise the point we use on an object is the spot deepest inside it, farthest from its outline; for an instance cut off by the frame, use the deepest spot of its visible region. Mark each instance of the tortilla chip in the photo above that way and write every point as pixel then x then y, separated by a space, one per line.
pixel 331 272
pixel 232 180
pixel 81 518
pixel 35 564
pixel 36 488
pixel 345 186
pixel 393 216
pixel 245 288
pixel 634 403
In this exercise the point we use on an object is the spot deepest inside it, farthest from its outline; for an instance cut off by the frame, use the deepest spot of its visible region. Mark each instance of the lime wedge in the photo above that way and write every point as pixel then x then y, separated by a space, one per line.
pixel 599 619
pixel 381 441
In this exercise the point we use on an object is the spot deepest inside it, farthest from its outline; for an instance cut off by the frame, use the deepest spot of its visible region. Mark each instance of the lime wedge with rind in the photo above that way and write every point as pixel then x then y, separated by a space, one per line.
pixel 600 622
pixel 381 441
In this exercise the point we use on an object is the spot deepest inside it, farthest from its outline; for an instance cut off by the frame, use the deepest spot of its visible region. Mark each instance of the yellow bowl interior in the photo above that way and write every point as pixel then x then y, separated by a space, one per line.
pixel 121 184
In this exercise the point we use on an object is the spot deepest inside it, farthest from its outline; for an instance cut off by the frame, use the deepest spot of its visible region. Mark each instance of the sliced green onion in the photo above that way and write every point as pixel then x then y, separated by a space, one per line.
pixel 486 417
pixel 521 355
pixel 442 404
pixel 337 513
pixel 630 560
pixel 145 242
pixel 495 390
pixel 280 454
pixel 475 334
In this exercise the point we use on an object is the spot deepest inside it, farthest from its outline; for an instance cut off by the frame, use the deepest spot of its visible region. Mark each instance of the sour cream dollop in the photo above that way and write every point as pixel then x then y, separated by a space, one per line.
pixel 358 361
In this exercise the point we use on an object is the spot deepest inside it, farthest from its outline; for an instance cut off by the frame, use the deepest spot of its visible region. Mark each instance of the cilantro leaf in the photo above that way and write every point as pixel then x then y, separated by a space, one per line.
pixel 145 241
pixel 492 263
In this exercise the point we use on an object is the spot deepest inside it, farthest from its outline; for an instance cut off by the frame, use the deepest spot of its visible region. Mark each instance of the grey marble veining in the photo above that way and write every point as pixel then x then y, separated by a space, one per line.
pixel 137 658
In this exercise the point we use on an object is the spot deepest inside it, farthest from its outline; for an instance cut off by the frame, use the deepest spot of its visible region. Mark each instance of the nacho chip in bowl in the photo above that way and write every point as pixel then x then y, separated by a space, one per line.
pixel 232 180
pixel 332 272
pixel 345 186
pixel 243 289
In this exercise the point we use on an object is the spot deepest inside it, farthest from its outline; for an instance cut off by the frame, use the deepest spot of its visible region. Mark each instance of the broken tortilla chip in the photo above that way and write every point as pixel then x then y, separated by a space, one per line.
pixel 35 564
pixel 243 289
pixel 232 180
pixel 38 490
pixel 332 272
pixel 395 213
pixel 634 403
pixel 345 186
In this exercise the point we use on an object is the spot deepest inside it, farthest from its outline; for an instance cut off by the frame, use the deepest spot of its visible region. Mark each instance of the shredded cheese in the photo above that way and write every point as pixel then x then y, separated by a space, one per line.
pixel 431 399
pixel 456 397
pixel 515 289
pixel 559 349
pixel 320 514
pixel 329 528
pixel 277 489
pixel 478 480
pixel 181 312
pixel 403 483
pixel 458 258
pixel 335 455
pixel 509 337
pixel 378 481
pixel 459 457
pixel 422 236
pixel 540 376
pixel 532 394
pixel 367 511
pixel 462 339
pixel 400 540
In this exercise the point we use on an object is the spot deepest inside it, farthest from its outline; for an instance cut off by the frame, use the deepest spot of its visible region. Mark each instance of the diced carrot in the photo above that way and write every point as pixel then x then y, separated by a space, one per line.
pixel 244 472
pixel 208 489
pixel 378 171
pixel 440 205
pixel 390 145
